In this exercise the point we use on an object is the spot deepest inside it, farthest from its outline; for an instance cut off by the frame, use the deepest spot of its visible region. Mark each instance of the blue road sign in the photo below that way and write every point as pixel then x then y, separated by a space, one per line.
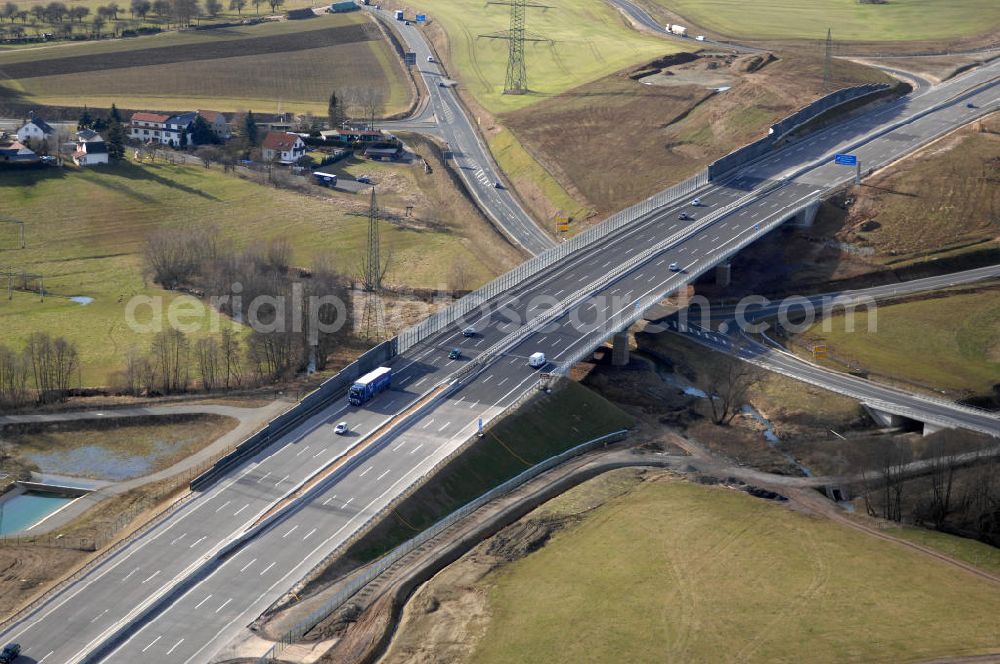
pixel 421 18
pixel 409 58
pixel 846 159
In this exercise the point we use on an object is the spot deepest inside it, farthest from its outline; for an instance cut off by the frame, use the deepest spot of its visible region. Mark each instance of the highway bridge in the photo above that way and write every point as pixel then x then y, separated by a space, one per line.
pixel 184 587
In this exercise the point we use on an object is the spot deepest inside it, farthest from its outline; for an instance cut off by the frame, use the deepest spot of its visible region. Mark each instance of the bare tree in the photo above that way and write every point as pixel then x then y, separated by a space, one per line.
pixel 729 381
pixel 238 5
pixel 209 357
pixel 170 351
pixel 14 373
pixel 230 351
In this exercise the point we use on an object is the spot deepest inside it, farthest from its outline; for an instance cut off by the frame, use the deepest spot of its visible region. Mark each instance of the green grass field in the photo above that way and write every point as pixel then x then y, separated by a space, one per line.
pixel 677 572
pixel 590 40
pixel 950 343
pixel 290 66
pixel 85 233
pixel 897 20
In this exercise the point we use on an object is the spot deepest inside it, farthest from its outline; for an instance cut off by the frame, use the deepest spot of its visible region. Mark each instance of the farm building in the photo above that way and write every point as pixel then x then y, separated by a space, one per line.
pixel 346 6
pixel 147 127
pixel 383 154
pixel 90 149
pixel 282 147
pixel 356 135
pixel 35 129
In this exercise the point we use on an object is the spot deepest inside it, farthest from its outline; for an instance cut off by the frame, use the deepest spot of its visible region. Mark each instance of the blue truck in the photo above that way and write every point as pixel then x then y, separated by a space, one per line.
pixel 369 385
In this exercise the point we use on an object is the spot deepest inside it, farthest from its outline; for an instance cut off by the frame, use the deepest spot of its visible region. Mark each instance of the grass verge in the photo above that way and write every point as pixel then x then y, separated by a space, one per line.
pixel 949 342
pixel 650 576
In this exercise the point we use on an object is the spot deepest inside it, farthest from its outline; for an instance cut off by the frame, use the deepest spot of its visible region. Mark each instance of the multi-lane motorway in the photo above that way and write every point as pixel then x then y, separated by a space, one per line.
pixel 83 615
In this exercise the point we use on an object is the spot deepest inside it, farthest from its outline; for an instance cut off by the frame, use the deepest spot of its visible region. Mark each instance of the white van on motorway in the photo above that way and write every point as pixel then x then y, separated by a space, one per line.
pixel 536 360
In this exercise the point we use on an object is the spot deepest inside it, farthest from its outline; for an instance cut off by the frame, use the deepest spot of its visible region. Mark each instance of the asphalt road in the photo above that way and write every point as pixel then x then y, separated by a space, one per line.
pixel 472 159
pixel 82 615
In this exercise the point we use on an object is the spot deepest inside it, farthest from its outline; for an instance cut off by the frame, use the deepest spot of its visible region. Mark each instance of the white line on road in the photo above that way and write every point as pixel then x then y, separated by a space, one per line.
pixel 244 568
pixel 290 531
pixel 95 618
pixel 130 574
pixel 365 471
pixel 264 571
pixel 222 506
pixel 46 657
pixel 281 480
pixel 444 426
pixel 224 604
pixel 382 475
pixel 329 499
pixel 263 477
pixel 197 541
pixel 151 576
pixel 318 453
pixel 303 450
pixel 308 535
pixel 237 512
pixel 414 450
pixel 427 423
pixel 173 647
pixel 152 643
pixel 177 539
pixel 198 605
pixel 349 500
pixel 503 381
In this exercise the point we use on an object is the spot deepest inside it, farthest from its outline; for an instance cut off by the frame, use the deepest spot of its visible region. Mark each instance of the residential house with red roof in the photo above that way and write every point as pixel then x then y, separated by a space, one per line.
pixel 282 147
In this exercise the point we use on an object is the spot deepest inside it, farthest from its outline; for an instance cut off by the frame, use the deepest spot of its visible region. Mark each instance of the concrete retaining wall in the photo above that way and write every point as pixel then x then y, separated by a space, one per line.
pixel 758 149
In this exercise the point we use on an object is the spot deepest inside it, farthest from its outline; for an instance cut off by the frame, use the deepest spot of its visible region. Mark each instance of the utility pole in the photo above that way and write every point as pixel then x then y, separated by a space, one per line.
pixel 828 63
pixel 516 82
pixel 372 271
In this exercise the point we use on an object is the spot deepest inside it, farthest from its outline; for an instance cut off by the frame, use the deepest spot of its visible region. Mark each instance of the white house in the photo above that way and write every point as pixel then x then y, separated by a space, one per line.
pixel 35 130
pixel 283 147
pixel 147 127
pixel 90 149
pixel 159 128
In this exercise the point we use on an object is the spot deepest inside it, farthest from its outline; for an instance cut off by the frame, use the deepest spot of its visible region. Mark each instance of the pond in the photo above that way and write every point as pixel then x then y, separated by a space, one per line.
pixel 99 462
pixel 24 510
pixel 82 300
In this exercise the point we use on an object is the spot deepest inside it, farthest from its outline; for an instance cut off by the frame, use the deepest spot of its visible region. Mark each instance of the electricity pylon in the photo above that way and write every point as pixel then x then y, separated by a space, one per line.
pixel 372 272
pixel 828 62
pixel 516 82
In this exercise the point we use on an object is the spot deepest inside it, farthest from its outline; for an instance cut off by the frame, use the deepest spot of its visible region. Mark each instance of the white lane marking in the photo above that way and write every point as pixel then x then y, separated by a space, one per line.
pixel 382 475
pixel 428 423
pixel 236 513
pixel 400 446
pixel 177 539
pixel 444 426
pixel 244 568
pixel 503 381
pixel 365 471
pixel 173 647
pixel 308 535
pixel 318 453
pixel 266 568
pixel 95 618
pixel 303 450
pixel 198 605
pixel 151 576
pixel 222 506
pixel 152 643
pixel 130 574
pixel 46 657
pixel 290 531
pixel 263 477
pixel 224 604
pixel 281 480
pixel 329 499
pixel 416 448
pixel 349 500
pixel 197 541
pixel 488 378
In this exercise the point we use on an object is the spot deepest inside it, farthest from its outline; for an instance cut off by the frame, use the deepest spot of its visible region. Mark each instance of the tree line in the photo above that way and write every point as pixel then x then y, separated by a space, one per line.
pixel 43 370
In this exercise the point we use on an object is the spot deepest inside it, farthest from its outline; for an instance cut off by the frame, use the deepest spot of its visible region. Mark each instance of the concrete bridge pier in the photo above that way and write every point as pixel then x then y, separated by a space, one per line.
pixel 932 428
pixel 619 349
pixel 885 419
pixel 723 274
pixel 806 217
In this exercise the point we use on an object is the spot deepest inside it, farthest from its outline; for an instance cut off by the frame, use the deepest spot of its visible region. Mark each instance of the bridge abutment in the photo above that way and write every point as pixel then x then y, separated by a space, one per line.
pixel 619 349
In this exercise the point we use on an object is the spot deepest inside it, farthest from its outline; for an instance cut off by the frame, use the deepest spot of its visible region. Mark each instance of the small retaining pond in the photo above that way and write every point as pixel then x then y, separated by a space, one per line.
pixel 21 509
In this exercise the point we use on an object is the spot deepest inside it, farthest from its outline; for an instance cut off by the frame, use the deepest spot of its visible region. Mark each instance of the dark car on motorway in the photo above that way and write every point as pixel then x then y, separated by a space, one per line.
pixel 10 652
